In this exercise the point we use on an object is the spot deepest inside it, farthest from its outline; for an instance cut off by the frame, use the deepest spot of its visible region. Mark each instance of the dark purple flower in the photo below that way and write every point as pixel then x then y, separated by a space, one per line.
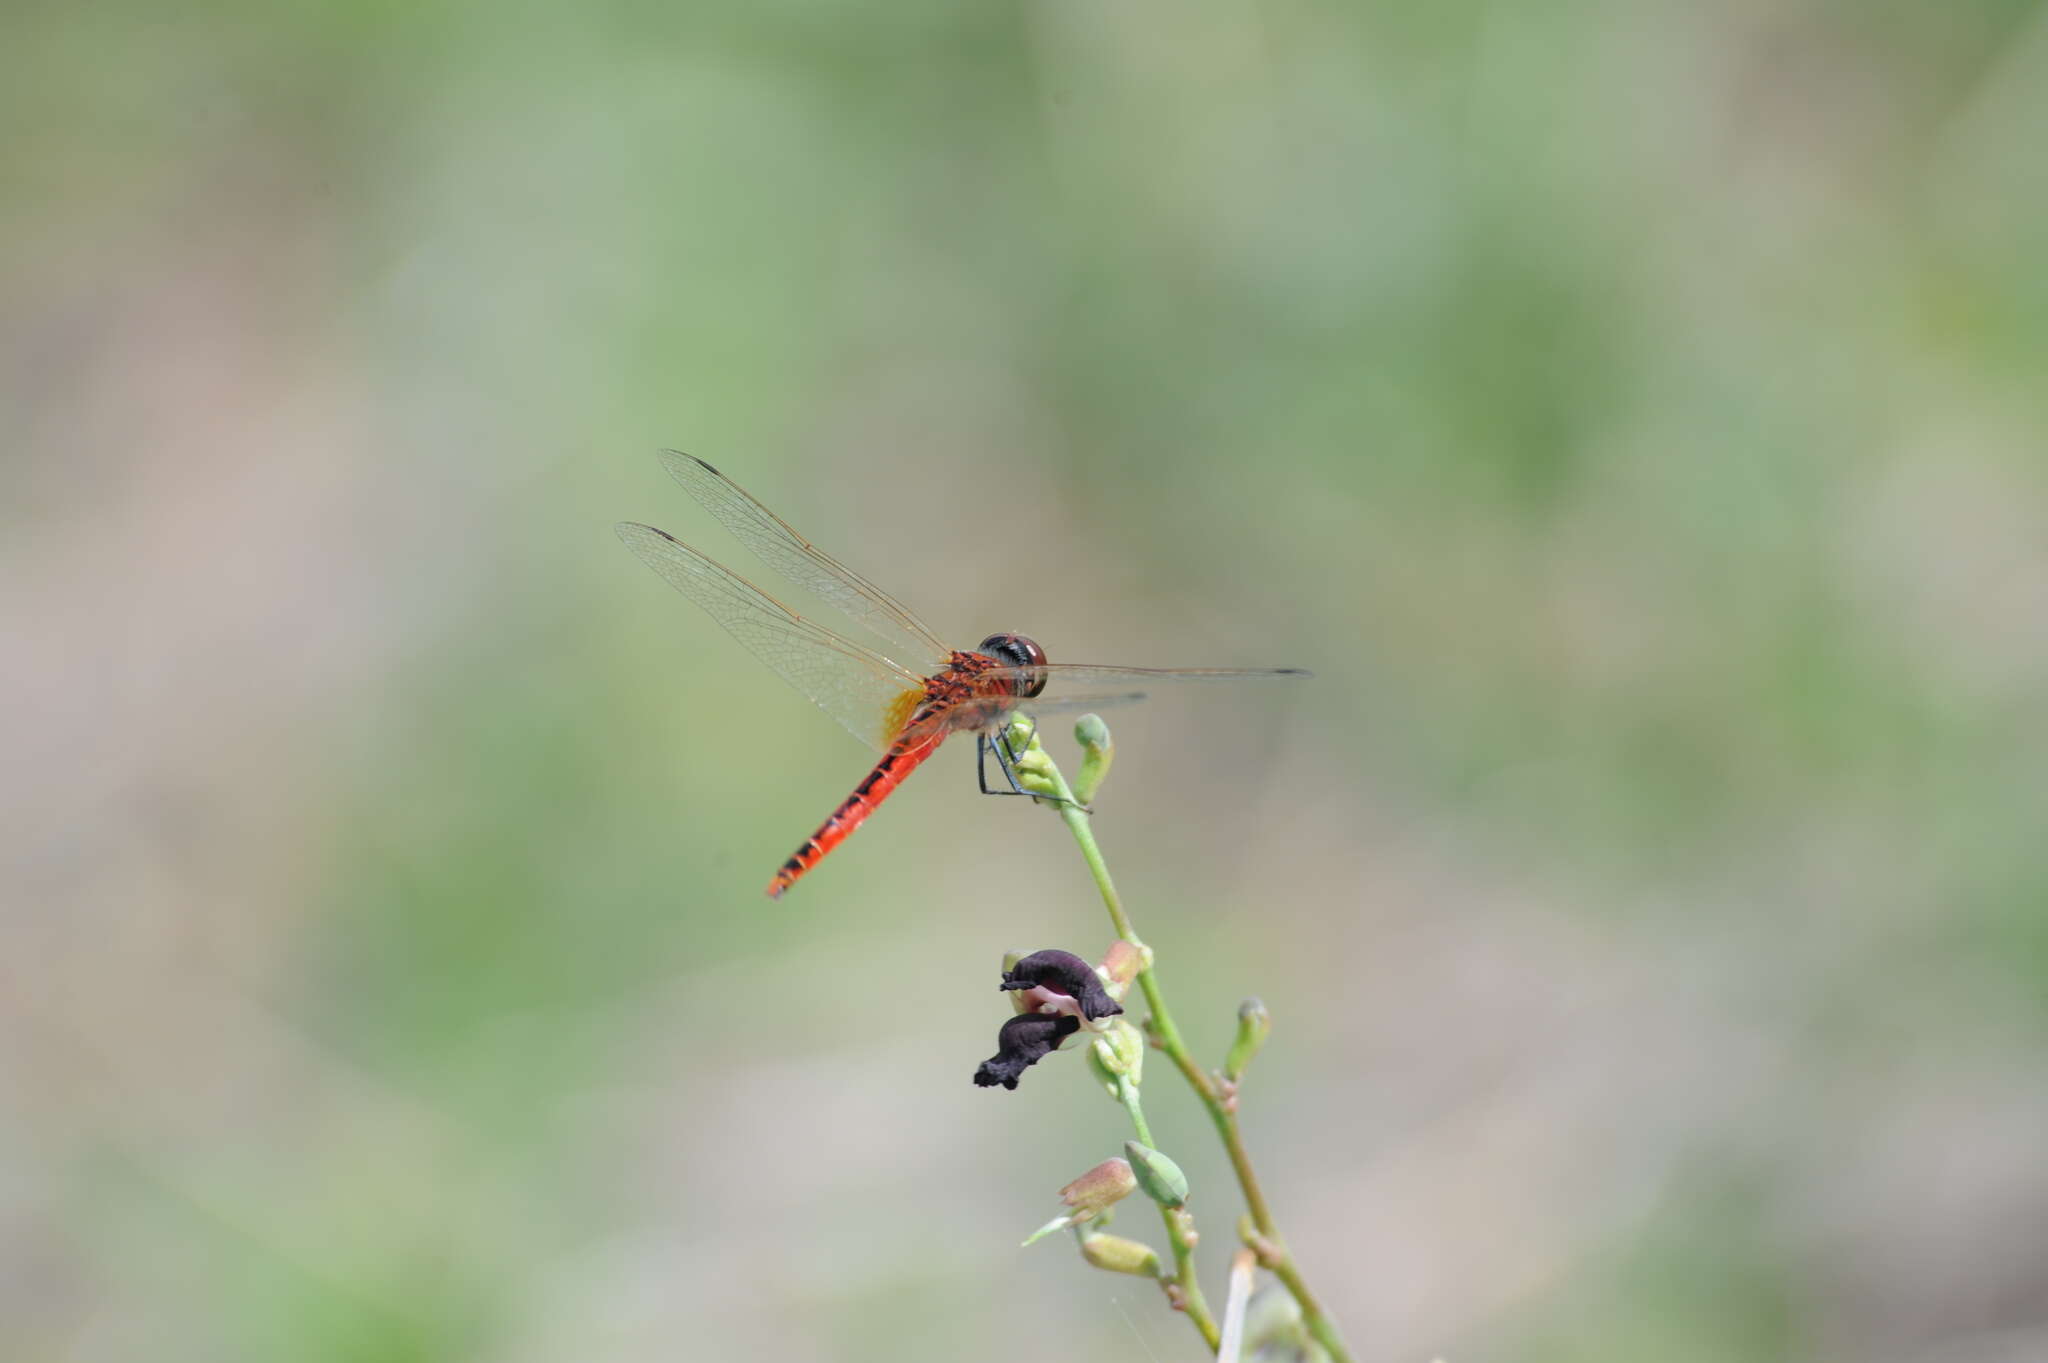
pixel 1062 972
pixel 1023 1042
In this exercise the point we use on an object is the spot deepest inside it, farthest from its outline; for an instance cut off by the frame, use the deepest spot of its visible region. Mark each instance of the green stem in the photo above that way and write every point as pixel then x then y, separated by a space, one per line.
pixel 1272 1251
pixel 1076 819
pixel 1127 1094
pixel 1179 1227
pixel 1179 1233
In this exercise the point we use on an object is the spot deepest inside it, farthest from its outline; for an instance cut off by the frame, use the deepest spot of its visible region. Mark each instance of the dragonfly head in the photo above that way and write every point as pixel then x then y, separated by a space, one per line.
pixel 1014 650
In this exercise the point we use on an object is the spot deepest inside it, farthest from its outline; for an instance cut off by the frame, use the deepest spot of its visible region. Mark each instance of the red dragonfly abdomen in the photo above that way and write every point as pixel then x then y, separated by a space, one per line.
pixel 901 760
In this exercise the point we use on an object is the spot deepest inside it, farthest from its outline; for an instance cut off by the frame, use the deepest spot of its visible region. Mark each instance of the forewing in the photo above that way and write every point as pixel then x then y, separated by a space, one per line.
pixel 864 691
pixel 803 563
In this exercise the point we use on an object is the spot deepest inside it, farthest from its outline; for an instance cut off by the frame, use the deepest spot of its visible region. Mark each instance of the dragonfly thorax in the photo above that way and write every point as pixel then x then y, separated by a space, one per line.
pixel 1014 650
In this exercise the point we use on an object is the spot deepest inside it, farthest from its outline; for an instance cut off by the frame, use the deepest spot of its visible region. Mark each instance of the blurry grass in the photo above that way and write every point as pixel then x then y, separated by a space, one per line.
pixel 1702 1281
pixel 1633 417
pixel 322 1279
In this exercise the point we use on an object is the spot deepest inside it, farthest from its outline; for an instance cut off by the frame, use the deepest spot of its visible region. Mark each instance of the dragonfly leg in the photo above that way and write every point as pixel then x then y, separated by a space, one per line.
pixel 1006 760
pixel 983 746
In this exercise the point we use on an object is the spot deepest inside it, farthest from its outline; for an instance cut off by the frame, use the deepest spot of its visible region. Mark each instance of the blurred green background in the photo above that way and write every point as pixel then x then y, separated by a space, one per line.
pixel 1634 414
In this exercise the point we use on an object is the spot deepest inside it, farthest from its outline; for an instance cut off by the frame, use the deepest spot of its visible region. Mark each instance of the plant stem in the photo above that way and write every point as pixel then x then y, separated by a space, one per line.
pixel 1271 1249
pixel 1187 1287
pixel 1127 1094
pixel 1179 1233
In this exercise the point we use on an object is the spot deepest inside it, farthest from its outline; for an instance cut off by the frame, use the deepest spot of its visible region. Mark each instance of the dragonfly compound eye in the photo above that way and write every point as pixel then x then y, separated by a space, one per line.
pixel 1014 650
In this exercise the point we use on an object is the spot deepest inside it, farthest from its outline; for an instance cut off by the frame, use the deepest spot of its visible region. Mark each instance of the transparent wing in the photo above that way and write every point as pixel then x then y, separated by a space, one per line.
pixel 1075 687
pixel 1065 679
pixel 865 692
pixel 803 563
pixel 967 718
pixel 1072 705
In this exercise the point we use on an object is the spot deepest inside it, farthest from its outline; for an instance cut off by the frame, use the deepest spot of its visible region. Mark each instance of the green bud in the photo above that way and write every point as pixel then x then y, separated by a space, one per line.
pixel 1097 752
pixel 1119 1050
pixel 1118 1255
pixel 1130 1045
pixel 1107 1183
pixel 1091 732
pixel 1159 1176
pixel 1035 774
pixel 1100 1058
pixel 1254 1025
pixel 1022 733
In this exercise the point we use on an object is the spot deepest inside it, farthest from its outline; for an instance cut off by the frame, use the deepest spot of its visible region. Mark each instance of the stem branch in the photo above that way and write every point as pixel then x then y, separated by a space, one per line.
pixel 1271 1249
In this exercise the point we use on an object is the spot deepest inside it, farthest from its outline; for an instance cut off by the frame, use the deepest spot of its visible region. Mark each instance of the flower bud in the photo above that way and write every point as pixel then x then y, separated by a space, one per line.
pixel 1035 771
pixel 1097 752
pixel 1118 1051
pixel 1100 1188
pixel 1159 1176
pixel 1118 1255
pixel 1121 963
pixel 1254 1025
pixel 1091 732
pixel 1100 1060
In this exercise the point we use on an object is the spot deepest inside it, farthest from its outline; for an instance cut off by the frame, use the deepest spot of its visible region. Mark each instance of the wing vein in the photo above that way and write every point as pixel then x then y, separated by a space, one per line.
pixel 855 685
pixel 776 543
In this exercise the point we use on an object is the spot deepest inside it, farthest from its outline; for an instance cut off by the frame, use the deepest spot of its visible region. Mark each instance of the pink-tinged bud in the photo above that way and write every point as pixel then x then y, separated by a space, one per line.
pixel 1121 964
pixel 1118 1255
pixel 1107 1184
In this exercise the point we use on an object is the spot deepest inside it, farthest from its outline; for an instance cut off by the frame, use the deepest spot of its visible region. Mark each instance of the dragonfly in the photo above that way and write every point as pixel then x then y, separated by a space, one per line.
pixel 902 699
